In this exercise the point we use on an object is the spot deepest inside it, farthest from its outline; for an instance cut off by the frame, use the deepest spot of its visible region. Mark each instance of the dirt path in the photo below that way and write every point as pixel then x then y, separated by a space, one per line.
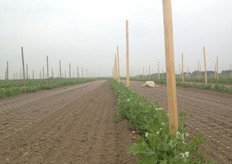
pixel 70 125
pixel 209 113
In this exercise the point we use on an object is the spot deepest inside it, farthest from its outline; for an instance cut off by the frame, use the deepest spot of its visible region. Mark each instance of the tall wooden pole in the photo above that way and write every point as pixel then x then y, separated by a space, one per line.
pixel 60 68
pixel 27 71
pixel 119 78
pixel 7 71
pixel 182 67
pixel 52 73
pixel 69 70
pixel 170 67
pixel 205 66
pixel 47 68
pixel 77 72
pixel 82 72
pixel 158 71
pixel 217 68
pixel 143 72
pixel 215 71
pixel 43 72
pixel 127 56
pixel 198 73
pixel 230 71
pixel 115 67
pixel 23 70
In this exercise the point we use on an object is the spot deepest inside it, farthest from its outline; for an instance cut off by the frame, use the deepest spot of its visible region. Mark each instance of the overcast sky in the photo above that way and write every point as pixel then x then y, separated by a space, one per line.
pixel 85 33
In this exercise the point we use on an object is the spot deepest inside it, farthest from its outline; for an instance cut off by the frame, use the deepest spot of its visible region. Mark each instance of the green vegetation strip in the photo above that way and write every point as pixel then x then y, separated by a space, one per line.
pixel 15 87
pixel 156 145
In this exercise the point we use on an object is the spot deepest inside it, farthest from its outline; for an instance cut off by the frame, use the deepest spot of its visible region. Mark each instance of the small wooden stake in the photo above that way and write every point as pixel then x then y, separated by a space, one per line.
pixel 127 56
pixel 60 68
pixel 230 71
pixel 182 67
pixel 217 68
pixel 158 71
pixel 198 75
pixel 43 72
pixel 69 70
pixel 205 65
pixel 215 71
pixel 47 69
pixel 23 70
pixel 170 67
pixel 119 78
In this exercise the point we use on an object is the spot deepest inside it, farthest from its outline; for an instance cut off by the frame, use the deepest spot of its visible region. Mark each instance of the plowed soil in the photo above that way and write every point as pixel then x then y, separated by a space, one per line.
pixel 75 124
pixel 209 113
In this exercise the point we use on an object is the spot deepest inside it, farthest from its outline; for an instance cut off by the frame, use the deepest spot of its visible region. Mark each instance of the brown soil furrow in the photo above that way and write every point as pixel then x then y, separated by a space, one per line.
pixel 81 130
pixel 209 113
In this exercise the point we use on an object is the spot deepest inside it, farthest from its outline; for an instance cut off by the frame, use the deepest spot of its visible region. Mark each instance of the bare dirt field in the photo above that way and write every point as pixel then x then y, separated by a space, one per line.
pixel 209 113
pixel 74 124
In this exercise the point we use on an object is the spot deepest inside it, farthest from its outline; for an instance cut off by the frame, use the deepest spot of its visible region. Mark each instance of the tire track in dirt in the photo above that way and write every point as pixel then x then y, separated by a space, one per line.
pixel 82 131
pixel 209 113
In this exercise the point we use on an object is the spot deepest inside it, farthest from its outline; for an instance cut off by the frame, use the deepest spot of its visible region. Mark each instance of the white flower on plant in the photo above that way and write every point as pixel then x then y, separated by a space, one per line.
pixel 128 100
pixel 184 155
pixel 146 134
pixel 177 133
pixel 157 132
pixel 162 123
pixel 186 134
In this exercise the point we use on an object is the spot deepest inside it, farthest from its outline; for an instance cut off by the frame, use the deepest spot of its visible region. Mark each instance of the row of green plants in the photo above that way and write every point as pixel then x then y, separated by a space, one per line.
pixel 210 86
pixel 156 145
pixel 221 80
pixel 14 87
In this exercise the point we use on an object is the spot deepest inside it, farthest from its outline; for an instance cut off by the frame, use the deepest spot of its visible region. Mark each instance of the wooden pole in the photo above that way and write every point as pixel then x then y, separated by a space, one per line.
pixel 69 70
pixel 115 67
pixel 230 71
pixel 43 72
pixel 60 68
pixel 162 72
pixel 205 66
pixel 82 72
pixel 149 71
pixel 7 71
pixel 119 78
pixel 158 71
pixel 23 70
pixel 182 67
pixel 127 56
pixel 47 68
pixel 217 68
pixel 143 72
pixel 215 71
pixel 198 73
pixel 77 72
pixel 179 71
pixel 52 73
pixel 170 67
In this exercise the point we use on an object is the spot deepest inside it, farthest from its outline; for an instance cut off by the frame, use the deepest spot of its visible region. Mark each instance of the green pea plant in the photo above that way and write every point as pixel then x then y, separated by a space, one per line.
pixel 155 144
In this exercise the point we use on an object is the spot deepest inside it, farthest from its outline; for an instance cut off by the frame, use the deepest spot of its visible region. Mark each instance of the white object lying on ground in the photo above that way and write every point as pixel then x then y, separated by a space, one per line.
pixel 149 84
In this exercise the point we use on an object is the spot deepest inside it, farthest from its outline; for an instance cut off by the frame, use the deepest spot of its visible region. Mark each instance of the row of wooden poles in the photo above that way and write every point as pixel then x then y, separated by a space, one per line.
pixel 25 75
pixel 148 73
pixel 170 66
